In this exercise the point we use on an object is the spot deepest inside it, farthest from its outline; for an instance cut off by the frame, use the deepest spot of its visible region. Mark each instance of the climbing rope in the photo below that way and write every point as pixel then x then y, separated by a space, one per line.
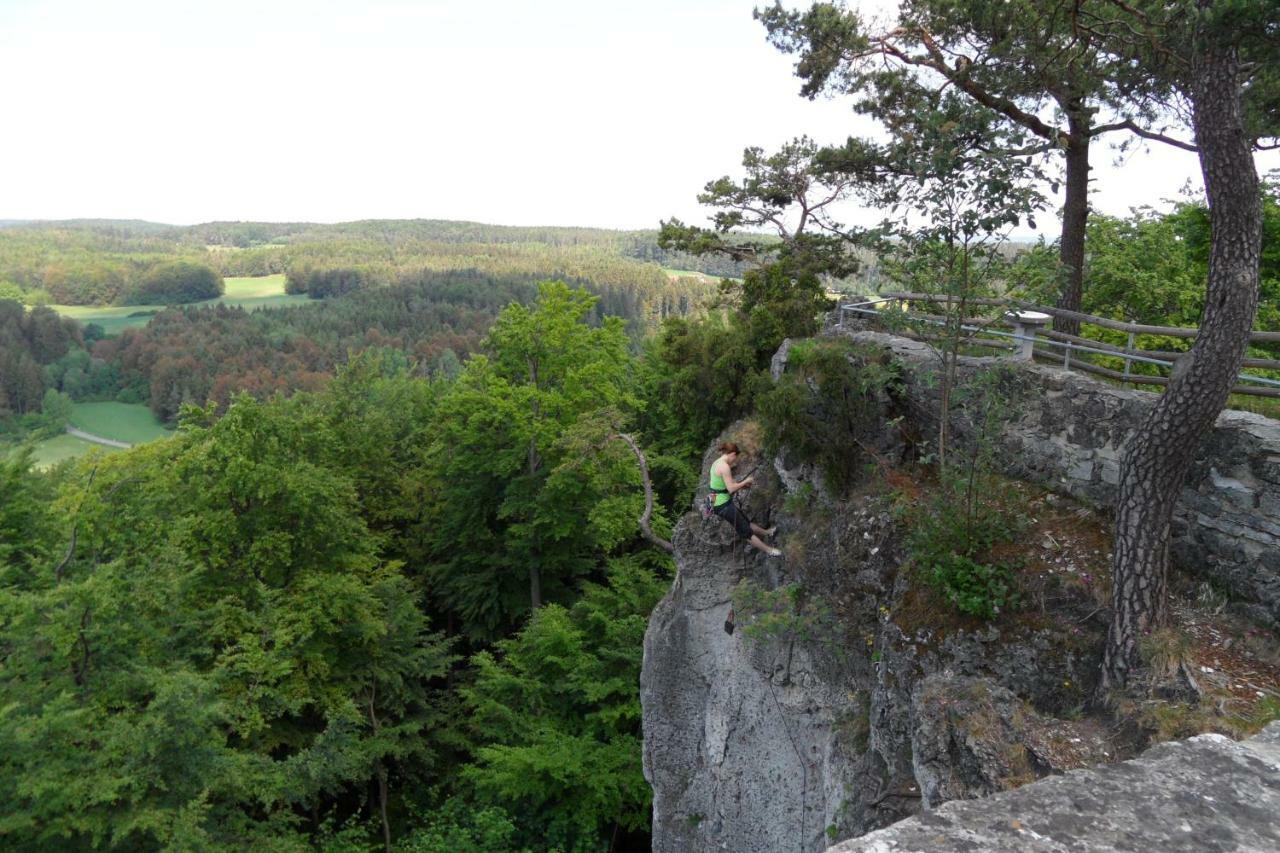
pixel 804 765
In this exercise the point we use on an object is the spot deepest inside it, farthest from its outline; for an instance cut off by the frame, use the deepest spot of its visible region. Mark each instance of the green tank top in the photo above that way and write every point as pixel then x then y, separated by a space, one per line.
pixel 717 485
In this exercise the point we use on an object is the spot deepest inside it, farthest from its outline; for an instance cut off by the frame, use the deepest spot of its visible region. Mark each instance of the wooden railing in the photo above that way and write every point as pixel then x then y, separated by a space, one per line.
pixel 1030 338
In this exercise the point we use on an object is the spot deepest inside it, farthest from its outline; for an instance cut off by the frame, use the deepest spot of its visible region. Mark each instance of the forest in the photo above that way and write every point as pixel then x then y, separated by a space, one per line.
pixel 388 661
pixel 385 587
pixel 106 262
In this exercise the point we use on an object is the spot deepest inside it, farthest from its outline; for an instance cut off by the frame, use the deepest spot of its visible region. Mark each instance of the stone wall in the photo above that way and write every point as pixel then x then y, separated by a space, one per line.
pixel 1068 431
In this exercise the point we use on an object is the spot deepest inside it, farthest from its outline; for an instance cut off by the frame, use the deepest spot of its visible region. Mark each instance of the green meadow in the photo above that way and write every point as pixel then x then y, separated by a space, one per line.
pixel 701 277
pixel 686 274
pixel 129 422
pixel 60 448
pixel 250 293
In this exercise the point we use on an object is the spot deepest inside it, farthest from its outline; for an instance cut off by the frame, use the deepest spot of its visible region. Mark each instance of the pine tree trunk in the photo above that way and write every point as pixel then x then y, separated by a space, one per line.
pixel 1156 461
pixel 1075 216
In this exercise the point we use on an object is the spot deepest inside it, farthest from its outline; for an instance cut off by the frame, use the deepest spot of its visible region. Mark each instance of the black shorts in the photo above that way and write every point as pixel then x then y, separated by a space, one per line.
pixel 730 513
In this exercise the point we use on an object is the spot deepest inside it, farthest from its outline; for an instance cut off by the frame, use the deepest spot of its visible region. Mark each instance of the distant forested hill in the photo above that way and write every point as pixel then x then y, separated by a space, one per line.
pixel 429 320
pixel 104 262
pixel 422 291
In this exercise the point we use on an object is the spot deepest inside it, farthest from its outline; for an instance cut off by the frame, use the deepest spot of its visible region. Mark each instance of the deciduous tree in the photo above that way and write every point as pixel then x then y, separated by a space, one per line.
pixel 500 504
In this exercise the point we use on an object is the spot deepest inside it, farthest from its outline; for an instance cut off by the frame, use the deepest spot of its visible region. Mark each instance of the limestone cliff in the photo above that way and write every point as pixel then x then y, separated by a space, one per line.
pixel 743 745
pixel 828 726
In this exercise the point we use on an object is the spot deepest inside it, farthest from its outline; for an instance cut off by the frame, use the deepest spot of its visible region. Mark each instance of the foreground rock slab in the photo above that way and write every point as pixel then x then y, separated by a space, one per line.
pixel 1208 793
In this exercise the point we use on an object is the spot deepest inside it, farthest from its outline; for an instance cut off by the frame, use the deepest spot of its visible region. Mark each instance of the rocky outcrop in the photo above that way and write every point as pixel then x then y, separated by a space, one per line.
pixel 805 725
pixel 969 739
pixel 745 742
pixel 819 722
pixel 1206 793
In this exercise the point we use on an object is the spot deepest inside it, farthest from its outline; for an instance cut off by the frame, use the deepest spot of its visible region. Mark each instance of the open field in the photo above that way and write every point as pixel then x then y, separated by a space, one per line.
pixel 63 447
pixel 675 274
pixel 266 291
pixel 130 422
pixel 249 293
pixel 112 318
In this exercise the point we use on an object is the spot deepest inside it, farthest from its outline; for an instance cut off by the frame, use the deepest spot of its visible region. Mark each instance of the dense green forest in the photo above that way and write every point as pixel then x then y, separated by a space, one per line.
pixel 424 289
pixel 102 262
pixel 301 614
pixel 30 343
pixel 319 615
pixel 392 522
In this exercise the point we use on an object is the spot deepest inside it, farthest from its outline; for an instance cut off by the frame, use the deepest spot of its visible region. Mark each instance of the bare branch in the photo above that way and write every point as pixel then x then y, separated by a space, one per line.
pixel 648 495
pixel 75 525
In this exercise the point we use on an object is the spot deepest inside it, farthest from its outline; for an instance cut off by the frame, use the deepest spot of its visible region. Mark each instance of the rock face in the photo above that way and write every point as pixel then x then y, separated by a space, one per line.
pixel 742 740
pixel 1206 793
pixel 834 723
pixel 821 728
pixel 969 740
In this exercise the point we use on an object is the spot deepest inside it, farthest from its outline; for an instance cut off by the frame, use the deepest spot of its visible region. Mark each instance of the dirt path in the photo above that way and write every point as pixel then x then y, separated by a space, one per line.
pixel 97 439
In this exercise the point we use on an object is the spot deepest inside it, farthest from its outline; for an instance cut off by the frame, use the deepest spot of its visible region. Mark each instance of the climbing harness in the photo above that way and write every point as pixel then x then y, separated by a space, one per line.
pixel 709 505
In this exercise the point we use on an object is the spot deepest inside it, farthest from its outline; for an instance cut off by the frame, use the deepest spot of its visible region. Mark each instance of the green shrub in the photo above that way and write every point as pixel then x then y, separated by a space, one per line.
pixel 798 501
pixel 978 589
pixel 789 612
pixel 950 535
pixel 831 400
pixel 460 827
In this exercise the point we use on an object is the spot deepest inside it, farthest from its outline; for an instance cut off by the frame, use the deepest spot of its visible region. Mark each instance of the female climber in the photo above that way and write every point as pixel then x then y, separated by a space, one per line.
pixel 723 486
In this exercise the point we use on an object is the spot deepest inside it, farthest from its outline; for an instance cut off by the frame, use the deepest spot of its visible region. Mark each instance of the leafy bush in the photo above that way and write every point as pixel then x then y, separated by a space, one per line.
pixel 696 377
pixel 832 398
pixel 978 589
pixel 789 612
pixel 458 827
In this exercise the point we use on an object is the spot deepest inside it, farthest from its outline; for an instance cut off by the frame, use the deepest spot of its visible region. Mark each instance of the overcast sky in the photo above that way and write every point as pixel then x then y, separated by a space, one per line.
pixel 607 113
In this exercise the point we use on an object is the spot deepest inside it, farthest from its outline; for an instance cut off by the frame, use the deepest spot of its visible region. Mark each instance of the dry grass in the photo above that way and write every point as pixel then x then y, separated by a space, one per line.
pixel 749 436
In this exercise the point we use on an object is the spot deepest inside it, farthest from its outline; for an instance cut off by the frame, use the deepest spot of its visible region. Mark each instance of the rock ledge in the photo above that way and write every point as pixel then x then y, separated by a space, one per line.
pixel 1205 793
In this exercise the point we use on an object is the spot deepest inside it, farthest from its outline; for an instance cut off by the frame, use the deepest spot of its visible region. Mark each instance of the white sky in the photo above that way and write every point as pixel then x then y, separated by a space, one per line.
pixel 608 113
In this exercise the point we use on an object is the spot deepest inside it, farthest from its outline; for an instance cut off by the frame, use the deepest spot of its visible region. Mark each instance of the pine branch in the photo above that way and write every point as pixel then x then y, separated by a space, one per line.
pixel 1129 125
